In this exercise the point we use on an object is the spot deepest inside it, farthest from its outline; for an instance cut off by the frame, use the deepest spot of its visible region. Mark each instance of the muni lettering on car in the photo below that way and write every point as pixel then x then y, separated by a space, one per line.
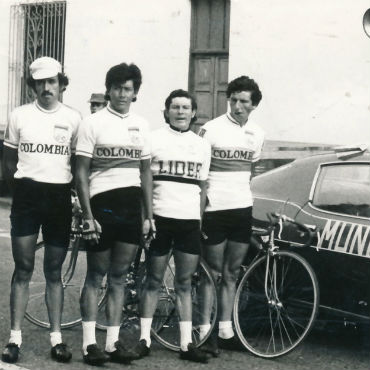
pixel 345 237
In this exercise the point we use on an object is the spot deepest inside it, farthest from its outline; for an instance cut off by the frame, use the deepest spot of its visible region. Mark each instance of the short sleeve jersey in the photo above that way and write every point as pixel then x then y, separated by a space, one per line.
pixel 116 143
pixel 180 160
pixel 45 140
pixel 234 148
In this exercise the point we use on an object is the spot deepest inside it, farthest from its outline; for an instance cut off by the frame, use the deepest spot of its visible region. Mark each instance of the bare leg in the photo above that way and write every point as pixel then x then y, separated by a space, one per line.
pixel 97 267
pixel 156 267
pixel 54 294
pixel 23 249
pixel 233 258
pixel 121 258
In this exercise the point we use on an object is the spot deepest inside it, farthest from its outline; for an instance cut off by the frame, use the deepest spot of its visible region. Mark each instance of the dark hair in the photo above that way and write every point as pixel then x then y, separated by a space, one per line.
pixel 244 83
pixel 120 74
pixel 180 94
pixel 62 79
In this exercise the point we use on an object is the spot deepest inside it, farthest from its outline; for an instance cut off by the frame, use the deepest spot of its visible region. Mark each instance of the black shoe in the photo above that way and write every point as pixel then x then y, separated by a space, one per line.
pixel 61 353
pixel 211 346
pixel 194 354
pixel 231 344
pixel 142 349
pixel 10 353
pixel 95 356
pixel 122 355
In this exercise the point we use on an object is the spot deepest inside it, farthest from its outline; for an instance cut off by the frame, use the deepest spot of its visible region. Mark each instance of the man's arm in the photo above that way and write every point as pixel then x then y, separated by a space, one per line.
pixel 92 229
pixel 147 186
pixel 203 197
pixel 10 160
pixel 82 185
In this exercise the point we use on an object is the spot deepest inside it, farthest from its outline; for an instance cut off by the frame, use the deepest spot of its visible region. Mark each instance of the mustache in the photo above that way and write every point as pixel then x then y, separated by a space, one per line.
pixel 46 93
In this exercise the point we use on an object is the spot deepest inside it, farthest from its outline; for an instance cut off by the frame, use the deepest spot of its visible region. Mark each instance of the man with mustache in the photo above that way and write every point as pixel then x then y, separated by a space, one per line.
pixel 38 146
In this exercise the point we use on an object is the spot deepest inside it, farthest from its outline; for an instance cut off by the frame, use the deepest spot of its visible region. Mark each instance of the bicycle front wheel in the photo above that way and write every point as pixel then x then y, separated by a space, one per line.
pixel 165 326
pixel 36 308
pixel 272 319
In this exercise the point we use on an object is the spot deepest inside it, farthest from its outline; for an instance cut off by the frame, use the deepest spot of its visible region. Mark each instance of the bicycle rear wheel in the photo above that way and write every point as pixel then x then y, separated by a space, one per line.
pixel 130 322
pixel 165 326
pixel 36 308
pixel 273 327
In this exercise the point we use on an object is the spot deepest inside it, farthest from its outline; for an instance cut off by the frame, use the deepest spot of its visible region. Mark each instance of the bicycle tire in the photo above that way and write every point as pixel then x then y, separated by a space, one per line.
pixel 268 329
pixel 165 326
pixel 36 309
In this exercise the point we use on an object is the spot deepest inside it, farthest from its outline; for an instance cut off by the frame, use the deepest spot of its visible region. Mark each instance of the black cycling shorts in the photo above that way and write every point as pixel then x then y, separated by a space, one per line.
pixel 118 212
pixel 231 224
pixel 183 235
pixel 38 204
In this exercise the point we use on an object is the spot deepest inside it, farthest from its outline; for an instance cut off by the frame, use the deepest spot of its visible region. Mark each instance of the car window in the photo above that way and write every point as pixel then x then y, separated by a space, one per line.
pixel 344 188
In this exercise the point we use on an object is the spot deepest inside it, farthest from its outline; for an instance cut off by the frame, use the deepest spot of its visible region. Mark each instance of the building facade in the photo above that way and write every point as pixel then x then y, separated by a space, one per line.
pixel 311 59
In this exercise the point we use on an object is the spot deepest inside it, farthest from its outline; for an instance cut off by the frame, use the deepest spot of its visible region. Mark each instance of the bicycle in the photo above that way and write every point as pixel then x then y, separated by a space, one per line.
pixel 165 320
pixel 277 299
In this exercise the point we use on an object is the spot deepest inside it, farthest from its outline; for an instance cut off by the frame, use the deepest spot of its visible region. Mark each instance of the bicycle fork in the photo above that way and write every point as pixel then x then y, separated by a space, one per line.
pixel 270 278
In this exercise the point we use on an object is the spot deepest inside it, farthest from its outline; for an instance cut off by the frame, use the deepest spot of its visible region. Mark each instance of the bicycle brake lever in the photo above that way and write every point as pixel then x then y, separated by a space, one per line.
pixel 280 227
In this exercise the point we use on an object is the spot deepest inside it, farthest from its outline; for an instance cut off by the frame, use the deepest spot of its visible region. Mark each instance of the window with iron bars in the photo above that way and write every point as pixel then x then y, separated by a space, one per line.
pixel 36 29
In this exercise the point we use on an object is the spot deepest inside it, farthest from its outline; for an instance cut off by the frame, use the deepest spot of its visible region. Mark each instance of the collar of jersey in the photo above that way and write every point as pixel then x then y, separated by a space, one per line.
pixel 232 120
pixel 177 130
pixel 111 110
pixel 38 106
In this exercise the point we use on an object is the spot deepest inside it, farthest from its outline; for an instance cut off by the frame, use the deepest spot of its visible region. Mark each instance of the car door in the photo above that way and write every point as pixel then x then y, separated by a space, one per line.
pixel 339 209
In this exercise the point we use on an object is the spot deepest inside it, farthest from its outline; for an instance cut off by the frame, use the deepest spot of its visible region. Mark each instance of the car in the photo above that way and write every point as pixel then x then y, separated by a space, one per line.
pixel 330 194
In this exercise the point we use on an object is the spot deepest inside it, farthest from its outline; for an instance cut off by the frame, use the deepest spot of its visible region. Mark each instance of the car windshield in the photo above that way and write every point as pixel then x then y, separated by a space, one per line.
pixel 344 188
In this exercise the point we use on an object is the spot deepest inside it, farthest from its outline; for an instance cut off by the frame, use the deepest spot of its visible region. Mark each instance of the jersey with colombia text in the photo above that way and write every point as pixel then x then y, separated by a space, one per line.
pixel 234 149
pixel 116 143
pixel 45 140
pixel 180 160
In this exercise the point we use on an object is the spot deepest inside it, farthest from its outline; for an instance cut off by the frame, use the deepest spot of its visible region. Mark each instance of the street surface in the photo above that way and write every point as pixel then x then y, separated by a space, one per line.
pixel 329 347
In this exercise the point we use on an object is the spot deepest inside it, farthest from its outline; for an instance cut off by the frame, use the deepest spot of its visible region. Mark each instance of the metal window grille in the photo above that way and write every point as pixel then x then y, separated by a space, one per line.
pixel 36 29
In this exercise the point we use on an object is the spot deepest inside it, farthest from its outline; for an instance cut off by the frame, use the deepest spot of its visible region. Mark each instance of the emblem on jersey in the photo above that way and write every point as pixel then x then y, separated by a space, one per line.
pixel 201 132
pixel 61 133
pixel 134 134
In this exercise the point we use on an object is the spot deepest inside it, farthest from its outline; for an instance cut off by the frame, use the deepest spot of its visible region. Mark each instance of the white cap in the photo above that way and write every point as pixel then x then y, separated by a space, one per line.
pixel 45 67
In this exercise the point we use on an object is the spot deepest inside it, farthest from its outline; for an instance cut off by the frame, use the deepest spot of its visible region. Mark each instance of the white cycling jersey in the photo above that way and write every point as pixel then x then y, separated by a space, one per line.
pixel 234 148
pixel 180 160
pixel 45 140
pixel 116 143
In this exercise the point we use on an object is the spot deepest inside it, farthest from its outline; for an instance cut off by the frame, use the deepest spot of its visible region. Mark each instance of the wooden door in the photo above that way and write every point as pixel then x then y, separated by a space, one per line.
pixel 208 72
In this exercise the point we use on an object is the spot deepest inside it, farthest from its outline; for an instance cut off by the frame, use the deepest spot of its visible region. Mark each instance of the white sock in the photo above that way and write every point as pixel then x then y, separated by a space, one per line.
pixel 16 337
pixel 185 334
pixel 203 330
pixel 145 326
pixel 55 338
pixel 112 337
pixel 88 334
pixel 225 329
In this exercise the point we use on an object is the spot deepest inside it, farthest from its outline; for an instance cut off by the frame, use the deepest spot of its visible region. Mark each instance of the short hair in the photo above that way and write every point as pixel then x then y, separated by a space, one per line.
pixel 244 83
pixel 121 73
pixel 62 79
pixel 179 93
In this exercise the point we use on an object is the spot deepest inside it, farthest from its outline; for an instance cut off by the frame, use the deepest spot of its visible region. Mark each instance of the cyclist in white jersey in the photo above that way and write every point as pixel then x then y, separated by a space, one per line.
pixel 112 177
pixel 39 142
pixel 180 164
pixel 236 143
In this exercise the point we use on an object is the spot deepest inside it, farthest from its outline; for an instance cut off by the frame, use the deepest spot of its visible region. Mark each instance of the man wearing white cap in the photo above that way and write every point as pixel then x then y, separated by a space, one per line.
pixel 39 142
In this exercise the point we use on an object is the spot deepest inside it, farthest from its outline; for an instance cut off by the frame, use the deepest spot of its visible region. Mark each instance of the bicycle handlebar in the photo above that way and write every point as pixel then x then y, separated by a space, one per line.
pixel 276 219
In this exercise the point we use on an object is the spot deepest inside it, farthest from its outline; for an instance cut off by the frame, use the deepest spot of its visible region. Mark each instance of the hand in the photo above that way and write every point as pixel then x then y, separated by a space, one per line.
pixel 91 230
pixel 149 229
